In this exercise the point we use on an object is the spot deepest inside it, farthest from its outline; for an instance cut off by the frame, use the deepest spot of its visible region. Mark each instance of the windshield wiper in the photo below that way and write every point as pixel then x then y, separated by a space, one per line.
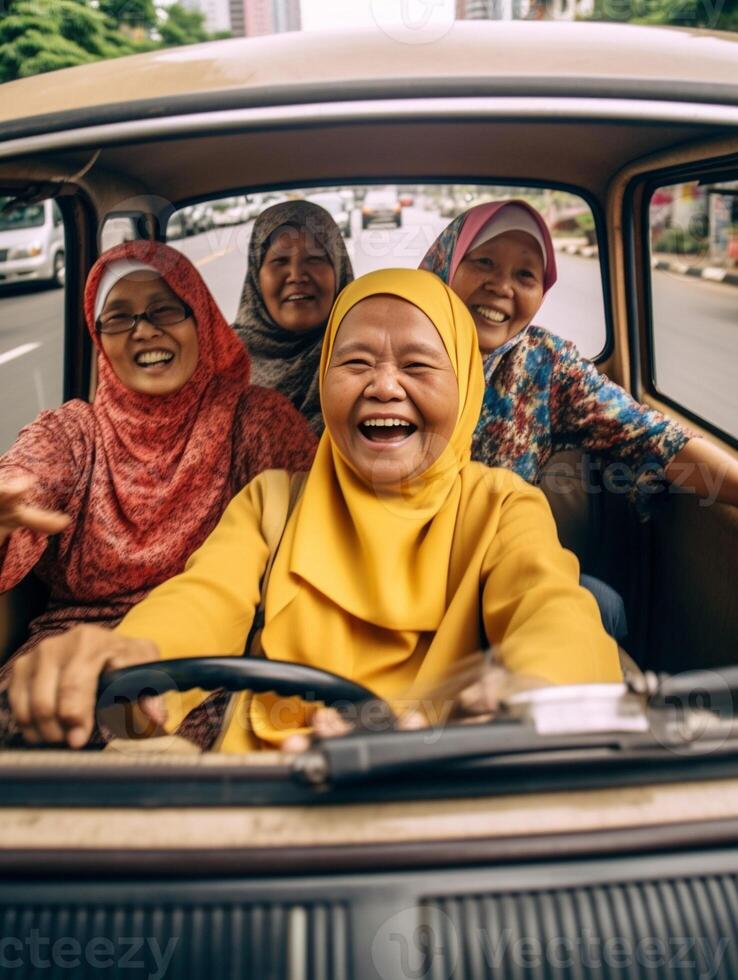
pixel 692 712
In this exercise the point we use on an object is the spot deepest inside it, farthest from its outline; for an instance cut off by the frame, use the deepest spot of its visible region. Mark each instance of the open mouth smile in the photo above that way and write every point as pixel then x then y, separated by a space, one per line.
pixel 388 431
pixel 491 315
pixel 152 360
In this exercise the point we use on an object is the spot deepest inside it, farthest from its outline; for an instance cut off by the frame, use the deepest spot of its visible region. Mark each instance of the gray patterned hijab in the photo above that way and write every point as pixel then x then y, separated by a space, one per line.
pixel 284 359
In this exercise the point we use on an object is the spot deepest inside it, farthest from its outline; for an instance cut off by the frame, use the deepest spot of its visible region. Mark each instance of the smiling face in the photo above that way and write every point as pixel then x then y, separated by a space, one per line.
pixel 148 359
pixel 501 281
pixel 390 396
pixel 297 280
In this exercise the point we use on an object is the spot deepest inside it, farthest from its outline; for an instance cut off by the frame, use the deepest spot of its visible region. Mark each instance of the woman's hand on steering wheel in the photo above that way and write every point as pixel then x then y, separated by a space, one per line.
pixel 330 723
pixel 472 694
pixel 53 688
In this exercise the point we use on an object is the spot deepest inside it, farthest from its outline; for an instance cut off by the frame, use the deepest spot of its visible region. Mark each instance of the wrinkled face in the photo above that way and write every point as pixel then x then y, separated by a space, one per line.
pixel 297 280
pixel 148 359
pixel 390 396
pixel 501 281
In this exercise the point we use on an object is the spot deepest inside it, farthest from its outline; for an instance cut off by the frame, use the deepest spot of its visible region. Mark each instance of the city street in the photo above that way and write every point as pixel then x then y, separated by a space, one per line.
pixel 697 366
pixel 31 355
pixel 696 344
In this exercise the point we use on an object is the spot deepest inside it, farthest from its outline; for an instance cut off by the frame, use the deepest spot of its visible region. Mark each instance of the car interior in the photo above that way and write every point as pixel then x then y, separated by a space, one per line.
pixel 676 571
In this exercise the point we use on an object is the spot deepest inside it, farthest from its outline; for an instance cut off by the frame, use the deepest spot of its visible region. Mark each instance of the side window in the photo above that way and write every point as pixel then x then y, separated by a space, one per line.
pixel 31 314
pixel 694 288
pixel 391 226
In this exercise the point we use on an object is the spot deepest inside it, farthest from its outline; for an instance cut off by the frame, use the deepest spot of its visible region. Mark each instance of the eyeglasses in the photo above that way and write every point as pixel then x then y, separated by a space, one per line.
pixel 158 315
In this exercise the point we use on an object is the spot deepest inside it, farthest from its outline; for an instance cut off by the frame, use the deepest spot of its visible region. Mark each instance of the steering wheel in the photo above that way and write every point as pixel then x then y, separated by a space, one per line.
pixel 233 674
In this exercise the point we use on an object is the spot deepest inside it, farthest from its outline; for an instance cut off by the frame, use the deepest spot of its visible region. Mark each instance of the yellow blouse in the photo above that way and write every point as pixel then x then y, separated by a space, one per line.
pixel 509 584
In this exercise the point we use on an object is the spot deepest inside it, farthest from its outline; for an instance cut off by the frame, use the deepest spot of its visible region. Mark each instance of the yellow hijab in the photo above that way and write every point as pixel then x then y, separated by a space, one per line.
pixel 384 559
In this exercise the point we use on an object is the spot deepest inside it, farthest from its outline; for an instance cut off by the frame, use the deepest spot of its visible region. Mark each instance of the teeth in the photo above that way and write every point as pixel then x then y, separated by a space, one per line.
pixel 380 422
pixel 154 357
pixel 489 314
pixel 296 296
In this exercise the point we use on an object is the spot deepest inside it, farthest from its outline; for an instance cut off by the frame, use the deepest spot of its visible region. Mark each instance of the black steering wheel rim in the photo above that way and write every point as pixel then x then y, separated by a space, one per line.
pixel 234 674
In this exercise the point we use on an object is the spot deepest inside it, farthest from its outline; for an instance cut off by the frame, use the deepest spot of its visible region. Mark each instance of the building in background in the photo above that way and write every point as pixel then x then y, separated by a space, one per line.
pixel 490 9
pixel 258 17
pixel 216 13
pixel 237 18
pixel 523 9
pixel 286 14
pixel 253 18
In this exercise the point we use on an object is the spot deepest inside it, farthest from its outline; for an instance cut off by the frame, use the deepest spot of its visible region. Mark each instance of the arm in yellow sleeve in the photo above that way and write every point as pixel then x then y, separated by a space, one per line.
pixel 208 609
pixel 537 617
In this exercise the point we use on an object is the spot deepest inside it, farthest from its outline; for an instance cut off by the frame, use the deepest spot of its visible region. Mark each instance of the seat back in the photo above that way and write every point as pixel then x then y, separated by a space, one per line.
pixel 17 608
pixel 577 513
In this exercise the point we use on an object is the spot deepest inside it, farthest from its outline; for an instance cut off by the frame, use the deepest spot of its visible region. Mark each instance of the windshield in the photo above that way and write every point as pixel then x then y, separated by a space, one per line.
pixel 331 202
pixel 22 216
pixel 381 197
pixel 394 225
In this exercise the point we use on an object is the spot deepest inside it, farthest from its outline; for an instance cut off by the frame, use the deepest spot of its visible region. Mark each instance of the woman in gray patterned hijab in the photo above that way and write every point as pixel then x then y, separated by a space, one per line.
pixel 297 266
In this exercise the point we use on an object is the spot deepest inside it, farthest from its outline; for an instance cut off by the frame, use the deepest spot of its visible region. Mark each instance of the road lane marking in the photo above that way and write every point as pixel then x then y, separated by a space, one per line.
pixel 215 255
pixel 10 355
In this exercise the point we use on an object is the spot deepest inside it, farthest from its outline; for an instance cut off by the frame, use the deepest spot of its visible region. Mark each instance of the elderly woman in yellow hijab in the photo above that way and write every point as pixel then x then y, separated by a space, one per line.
pixel 400 557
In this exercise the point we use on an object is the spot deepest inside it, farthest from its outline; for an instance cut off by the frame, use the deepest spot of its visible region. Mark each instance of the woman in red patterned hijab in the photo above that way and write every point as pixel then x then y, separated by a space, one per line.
pixel 145 471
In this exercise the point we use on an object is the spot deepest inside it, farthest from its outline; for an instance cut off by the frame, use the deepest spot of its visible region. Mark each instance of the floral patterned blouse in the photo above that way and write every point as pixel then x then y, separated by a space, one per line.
pixel 542 396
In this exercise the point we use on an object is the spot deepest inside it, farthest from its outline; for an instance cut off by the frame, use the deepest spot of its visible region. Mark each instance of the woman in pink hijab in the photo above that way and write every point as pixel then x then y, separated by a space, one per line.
pixel 541 395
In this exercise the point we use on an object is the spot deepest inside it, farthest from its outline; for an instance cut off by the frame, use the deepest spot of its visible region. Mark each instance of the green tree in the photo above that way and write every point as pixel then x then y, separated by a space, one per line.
pixel 717 15
pixel 131 13
pixel 182 26
pixel 43 35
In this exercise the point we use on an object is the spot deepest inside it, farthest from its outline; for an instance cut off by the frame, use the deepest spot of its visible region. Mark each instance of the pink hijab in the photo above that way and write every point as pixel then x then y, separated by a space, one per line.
pixel 445 254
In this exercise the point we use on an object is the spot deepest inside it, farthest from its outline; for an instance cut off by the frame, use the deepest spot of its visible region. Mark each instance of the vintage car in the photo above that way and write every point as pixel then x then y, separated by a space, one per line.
pixel 584 832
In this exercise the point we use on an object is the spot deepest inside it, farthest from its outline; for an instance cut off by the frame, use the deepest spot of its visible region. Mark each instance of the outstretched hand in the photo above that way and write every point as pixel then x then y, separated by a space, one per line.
pixel 16 511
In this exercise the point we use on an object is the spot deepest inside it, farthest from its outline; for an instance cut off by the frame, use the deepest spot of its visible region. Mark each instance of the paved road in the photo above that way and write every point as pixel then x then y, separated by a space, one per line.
pixel 696 329
pixel 31 356
pixel 696 346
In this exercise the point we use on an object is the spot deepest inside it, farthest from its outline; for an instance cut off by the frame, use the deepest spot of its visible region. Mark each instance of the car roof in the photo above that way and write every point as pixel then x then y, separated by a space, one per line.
pixel 579 58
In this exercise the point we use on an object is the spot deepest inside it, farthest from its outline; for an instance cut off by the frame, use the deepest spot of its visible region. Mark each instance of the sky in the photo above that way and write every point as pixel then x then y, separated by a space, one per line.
pixel 340 14
pixel 320 14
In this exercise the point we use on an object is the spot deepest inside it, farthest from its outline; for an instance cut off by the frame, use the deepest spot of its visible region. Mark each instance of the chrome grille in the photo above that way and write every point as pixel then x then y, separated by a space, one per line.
pixel 684 927
pixel 191 942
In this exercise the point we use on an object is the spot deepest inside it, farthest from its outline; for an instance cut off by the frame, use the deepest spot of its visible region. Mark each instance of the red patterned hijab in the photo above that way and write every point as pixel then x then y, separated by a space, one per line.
pixel 161 471
pixel 159 430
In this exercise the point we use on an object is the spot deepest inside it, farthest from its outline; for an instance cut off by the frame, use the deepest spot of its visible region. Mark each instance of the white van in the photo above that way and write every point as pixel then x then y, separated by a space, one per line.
pixel 31 243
